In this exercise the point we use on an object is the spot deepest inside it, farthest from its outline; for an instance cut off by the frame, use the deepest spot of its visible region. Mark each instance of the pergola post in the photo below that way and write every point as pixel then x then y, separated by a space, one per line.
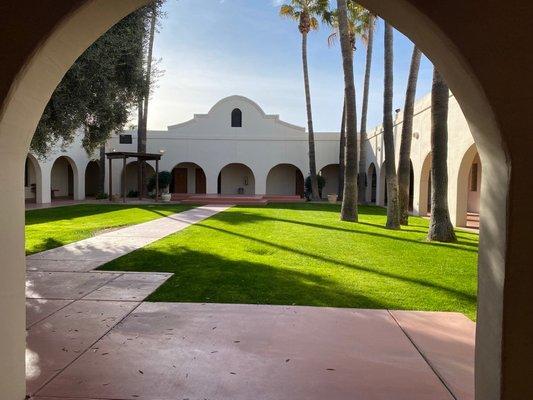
pixel 110 179
pixel 124 179
pixel 156 180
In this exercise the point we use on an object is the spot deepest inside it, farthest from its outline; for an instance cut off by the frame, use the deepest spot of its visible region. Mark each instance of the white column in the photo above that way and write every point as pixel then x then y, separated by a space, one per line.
pixel 211 176
pixel 78 173
pixel 260 177
pixel 44 185
pixel 12 302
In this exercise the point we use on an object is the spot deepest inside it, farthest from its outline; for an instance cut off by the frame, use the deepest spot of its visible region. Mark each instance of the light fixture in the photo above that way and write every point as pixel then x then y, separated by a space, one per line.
pixel 162 151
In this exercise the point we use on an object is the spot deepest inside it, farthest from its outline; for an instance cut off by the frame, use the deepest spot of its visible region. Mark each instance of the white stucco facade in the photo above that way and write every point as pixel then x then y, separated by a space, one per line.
pixel 265 156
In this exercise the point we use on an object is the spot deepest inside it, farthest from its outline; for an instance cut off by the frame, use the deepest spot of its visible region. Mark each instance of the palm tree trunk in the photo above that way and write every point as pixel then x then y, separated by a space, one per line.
pixel 440 226
pixel 101 170
pixel 349 202
pixel 311 133
pixel 143 110
pixel 393 214
pixel 364 113
pixel 342 145
pixel 404 167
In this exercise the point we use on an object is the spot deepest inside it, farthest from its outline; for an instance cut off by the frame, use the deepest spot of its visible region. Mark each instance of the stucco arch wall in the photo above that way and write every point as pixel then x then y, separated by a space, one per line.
pixel 465 59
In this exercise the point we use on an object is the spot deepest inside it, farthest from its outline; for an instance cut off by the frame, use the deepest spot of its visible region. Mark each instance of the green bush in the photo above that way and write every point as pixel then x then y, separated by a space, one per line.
pixel 321 183
pixel 165 178
pixel 101 196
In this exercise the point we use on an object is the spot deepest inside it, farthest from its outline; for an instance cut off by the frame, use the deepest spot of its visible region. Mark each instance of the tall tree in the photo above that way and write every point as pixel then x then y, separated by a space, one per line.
pixel 440 226
pixel 393 211
pixel 97 93
pixel 369 34
pixel 404 167
pixel 347 39
pixel 307 12
pixel 358 19
pixel 145 93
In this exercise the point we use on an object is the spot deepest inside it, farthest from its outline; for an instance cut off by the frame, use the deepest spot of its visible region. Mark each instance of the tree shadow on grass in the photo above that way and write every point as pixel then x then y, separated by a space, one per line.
pixel 241 216
pixel 46 244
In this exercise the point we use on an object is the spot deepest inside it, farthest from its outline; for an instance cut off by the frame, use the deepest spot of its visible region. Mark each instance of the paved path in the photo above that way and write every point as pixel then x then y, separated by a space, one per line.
pixel 91 336
pixel 90 253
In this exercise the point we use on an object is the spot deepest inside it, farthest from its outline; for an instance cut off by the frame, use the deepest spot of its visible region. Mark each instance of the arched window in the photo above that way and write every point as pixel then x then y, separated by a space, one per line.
pixel 236 118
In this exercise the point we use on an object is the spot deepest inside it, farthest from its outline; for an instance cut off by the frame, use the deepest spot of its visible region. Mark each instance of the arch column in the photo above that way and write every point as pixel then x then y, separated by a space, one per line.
pixel 260 181
pixel 79 182
pixel 44 190
pixel 211 177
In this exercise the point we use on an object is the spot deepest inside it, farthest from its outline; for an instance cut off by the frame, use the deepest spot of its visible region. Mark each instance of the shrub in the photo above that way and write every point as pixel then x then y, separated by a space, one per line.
pixel 165 178
pixel 321 183
pixel 101 196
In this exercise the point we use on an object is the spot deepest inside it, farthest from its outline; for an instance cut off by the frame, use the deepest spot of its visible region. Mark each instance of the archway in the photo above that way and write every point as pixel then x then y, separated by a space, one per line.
pixel 236 179
pixel 382 189
pixel 372 187
pixel 411 185
pixel 67 30
pixel 63 178
pixel 330 173
pixel 424 194
pixel 285 180
pixel 469 189
pixel 188 178
pixel 92 176
pixel 130 175
pixel 32 180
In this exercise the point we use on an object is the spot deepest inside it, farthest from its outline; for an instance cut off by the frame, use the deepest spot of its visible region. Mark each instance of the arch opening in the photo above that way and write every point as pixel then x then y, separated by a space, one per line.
pixel 236 179
pixel 188 178
pixel 371 188
pixel 285 180
pixel 469 182
pixel 131 178
pixel 330 173
pixel 63 179
pixel 92 177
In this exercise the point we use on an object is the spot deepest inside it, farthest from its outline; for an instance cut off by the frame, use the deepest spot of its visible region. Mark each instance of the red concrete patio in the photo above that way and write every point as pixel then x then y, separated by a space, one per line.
pixel 95 339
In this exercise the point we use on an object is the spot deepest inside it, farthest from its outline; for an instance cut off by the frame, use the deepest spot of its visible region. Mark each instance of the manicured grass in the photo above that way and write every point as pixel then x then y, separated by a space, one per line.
pixel 302 254
pixel 54 227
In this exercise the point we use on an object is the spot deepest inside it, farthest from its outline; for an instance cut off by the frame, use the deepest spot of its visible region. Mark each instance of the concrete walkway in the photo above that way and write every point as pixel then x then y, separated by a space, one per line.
pixel 90 336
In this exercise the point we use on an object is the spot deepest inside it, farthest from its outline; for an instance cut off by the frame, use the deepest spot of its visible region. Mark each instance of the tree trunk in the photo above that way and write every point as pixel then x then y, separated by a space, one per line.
pixel 404 168
pixel 393 214
pixel 364 113
pixel 143 110
pixel 342 145
pixel 311 133
pixel 101 170
pixel 349 203
pixel 440 226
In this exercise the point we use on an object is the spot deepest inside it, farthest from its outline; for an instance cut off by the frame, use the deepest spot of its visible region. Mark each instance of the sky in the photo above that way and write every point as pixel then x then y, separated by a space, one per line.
pixel 210 49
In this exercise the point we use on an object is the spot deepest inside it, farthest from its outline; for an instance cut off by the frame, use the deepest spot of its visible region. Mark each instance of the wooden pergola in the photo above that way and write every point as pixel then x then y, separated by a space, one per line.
pixel 124 155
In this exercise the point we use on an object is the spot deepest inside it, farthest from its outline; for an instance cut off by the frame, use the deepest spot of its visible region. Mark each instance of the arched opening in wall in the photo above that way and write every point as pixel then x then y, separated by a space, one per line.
pixel 411 186
pixel 371 188
pixel 63 179
pixel 330 173
pixel 459 76
pixel 424 198
pixel 382 201
pixel 32 179
pixel 187 178
pixel 131 178
pixel 285 180
pixel 236 179
pixel 469 189
pixel 92 176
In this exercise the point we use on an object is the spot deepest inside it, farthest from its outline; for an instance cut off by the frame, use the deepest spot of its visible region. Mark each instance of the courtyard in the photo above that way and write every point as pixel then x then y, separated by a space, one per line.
pixel 149 301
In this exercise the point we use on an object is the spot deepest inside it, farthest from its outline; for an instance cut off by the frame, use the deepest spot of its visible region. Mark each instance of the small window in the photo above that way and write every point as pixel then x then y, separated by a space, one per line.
pixel 236 118
pixel 473 178
pixel 125 139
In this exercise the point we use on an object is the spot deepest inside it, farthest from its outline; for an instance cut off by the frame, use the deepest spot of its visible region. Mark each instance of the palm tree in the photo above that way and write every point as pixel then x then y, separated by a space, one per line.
pixel 393 214
pixel 369 35
pixel 347 30
pixel 440 226
pixel 306 13
pixel 144 98
pixel 404 167
pixel 356 26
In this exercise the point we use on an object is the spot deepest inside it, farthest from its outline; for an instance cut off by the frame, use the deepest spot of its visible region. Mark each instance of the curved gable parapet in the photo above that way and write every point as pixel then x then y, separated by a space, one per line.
pixel 255 122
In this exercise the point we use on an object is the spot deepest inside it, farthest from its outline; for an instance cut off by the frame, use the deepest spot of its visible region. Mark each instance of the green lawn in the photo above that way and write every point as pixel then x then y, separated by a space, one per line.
pixel 54 227
pixel 302 254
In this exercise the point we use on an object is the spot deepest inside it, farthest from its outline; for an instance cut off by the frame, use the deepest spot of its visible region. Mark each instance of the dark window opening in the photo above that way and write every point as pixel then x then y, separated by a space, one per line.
pixel 236 118
pixel 473 178
pixel 27 173
pixel 125 139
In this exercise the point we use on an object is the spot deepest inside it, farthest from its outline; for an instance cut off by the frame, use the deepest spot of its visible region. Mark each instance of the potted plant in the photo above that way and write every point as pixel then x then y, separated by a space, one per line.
pixel 332 198
pixel 164 178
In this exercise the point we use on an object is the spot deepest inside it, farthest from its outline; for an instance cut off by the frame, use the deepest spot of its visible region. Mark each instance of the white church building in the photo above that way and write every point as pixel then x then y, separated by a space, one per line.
pixel 237 149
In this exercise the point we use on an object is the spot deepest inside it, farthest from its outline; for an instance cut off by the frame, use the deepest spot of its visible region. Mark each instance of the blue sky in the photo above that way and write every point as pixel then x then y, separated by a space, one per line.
pixel 211 49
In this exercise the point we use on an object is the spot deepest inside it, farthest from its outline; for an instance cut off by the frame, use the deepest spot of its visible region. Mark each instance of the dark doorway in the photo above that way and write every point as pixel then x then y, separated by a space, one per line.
pixel 299 189
pixel 180 180
pixel 200 181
